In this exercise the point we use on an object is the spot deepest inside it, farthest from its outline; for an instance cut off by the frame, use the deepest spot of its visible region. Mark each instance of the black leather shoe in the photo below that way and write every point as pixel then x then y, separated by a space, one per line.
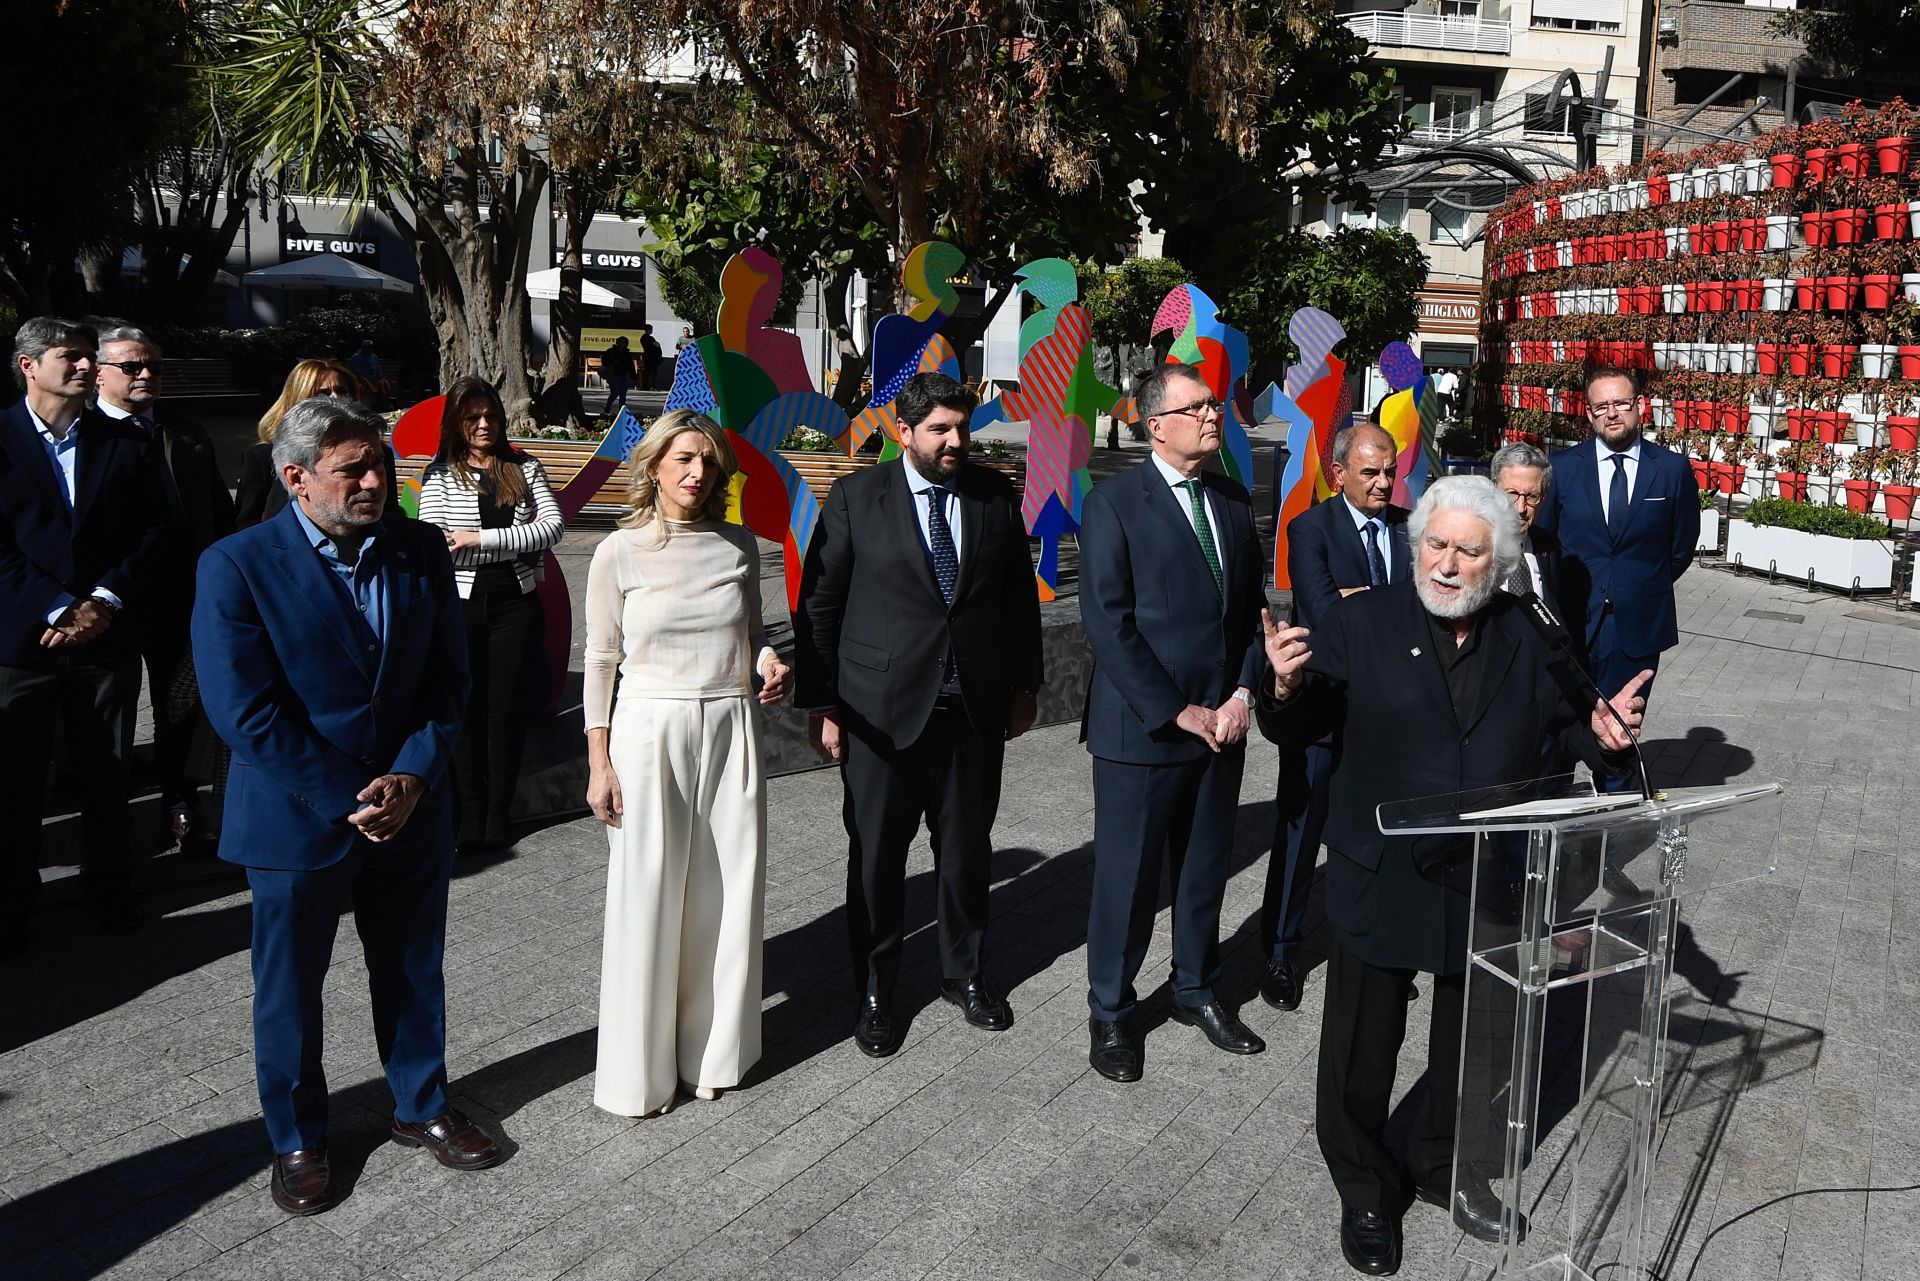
pixel 1371 1242
pixel 302 1181
pixel 1476 1211
pixel 1223 1029
pixel 873 1028
pixel 977 1001
pixel 1114 1054
pixel 455 1142
pixel 1281 987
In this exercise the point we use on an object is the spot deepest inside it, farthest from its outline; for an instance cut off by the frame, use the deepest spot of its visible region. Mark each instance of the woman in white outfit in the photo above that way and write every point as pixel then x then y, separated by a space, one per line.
pixel 673 604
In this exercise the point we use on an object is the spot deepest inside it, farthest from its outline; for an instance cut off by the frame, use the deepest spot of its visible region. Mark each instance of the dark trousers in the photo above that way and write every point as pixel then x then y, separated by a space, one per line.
pixel 1611 669
pixel 164 649
pixel 1300 814
pixel 951 776
pixel 617 385
pixel 1144 815
pixel 1362 1026
pixel 89 695
pixel 503 634
pixel 399 903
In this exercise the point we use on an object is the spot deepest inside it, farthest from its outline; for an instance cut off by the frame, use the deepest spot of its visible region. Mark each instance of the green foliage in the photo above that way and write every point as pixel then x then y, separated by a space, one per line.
pixel 1124 299
pixel 806 440
pixel 399 329
pixel 1835 522
pixel 1710 499
pixel 692 293
pixel 1365 277
pixel 1870 39
pixel 1462 442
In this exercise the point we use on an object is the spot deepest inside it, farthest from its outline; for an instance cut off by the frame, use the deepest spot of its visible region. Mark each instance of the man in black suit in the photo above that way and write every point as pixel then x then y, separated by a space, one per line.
pixel 1433 686
pixel 1170 594
pixel 1355 540
pixel 918 653
pixel 130 389
pixel 84 524
pixel 1523 473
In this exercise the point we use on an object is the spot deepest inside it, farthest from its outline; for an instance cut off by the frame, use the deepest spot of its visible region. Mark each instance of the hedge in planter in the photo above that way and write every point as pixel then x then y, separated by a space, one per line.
pixel 1811 518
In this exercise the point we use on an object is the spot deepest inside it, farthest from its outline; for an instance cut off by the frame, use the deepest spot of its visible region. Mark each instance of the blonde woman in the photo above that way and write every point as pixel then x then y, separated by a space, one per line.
pixel 674 771
pixel 498 513
pixel 259 493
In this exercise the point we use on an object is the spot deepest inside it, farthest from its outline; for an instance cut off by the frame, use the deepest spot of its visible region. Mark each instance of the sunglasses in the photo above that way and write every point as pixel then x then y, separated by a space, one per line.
pixel 131 368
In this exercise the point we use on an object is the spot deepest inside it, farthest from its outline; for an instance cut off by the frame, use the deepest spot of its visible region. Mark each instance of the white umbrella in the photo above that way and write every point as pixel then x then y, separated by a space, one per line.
pixel 326 271
pixel 546 284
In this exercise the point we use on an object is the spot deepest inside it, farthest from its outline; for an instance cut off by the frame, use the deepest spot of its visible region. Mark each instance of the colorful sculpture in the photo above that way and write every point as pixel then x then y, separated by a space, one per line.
pixel 1220 354
pixel 1316 404
pixel 905 344
pixel 1408 416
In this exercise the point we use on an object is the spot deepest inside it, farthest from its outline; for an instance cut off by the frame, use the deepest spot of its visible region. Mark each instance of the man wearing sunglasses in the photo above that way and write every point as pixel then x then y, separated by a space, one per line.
pixel 1627 514
pixel 84 523
pixel 129 387
pixel 1170 594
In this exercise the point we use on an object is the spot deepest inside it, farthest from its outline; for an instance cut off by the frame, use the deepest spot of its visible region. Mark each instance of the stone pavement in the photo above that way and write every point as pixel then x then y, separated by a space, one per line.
pixel 130 1144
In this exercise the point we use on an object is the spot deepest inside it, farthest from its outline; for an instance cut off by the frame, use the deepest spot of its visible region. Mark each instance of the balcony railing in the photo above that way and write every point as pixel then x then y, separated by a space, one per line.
pixel 1402 30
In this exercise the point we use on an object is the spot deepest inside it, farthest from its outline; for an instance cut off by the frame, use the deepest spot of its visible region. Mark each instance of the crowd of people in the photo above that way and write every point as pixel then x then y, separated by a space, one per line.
pixel 365 678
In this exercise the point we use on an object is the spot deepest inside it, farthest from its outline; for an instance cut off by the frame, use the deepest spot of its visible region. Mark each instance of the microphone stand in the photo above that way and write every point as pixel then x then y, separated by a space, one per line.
pixel 1554 632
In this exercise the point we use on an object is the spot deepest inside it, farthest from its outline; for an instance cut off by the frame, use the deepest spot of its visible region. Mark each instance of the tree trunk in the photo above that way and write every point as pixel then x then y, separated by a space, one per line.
pixel 559 398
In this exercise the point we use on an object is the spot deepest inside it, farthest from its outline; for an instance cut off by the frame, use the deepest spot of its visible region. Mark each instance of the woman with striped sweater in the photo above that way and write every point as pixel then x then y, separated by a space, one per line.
pixel 499 514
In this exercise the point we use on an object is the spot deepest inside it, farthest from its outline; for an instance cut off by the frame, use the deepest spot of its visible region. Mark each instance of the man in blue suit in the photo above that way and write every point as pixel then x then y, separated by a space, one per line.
pixel 1355 540
pixel 1170 594
pixel 1627 515
pixel 333 661
pixel 84 527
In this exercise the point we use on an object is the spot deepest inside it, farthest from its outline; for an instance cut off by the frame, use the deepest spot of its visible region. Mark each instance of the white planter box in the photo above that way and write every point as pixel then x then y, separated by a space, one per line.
pixel 1709 540
pixel 1836 562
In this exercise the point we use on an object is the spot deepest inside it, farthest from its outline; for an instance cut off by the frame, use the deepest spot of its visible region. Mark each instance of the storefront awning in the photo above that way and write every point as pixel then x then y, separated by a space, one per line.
pixel 325 271
pixel 546 284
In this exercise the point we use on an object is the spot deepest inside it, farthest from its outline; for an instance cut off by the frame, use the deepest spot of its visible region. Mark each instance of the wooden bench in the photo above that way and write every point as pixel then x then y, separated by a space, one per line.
pixel 563 460
pixel 205 380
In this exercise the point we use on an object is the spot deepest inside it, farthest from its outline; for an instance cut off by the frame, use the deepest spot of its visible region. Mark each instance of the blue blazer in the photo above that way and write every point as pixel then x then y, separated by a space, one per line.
pixel 312 712
pixel 1161 636
pixel 1326 553
pixel 1636 573
pixel 117 536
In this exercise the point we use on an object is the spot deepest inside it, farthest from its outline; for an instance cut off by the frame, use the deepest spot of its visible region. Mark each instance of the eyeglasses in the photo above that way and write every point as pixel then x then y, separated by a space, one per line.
pixel 1198 409
pixel 132 367
pixel 1606 407
pixel 1530 500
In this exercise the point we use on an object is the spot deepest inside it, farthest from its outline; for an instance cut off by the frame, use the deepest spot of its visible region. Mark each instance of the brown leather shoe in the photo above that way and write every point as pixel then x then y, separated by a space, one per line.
pixel 303 1181
pixel 455 1142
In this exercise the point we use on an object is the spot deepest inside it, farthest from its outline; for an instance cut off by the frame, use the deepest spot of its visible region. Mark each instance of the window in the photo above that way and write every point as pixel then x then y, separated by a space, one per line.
pixel 1459 8
pixel 1553 116
pixel 1391 212
pixel 1451 226
pixel 1452 112
pixel 1579 15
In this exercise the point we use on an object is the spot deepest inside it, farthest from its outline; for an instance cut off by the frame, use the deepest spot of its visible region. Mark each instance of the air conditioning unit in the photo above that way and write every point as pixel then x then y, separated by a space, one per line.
pixel 1669 31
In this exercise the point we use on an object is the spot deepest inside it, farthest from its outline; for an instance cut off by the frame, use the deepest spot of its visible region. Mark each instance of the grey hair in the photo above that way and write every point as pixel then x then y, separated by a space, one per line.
pixel 313 425
pixel 120 331
pixel 1476 496
pixel 1347 437
pixel 1152 395
pixel 1520 454
pixel 41 334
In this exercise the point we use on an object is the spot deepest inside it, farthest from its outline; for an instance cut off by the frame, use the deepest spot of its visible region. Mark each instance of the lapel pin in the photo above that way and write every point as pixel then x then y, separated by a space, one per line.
pixel 1415 651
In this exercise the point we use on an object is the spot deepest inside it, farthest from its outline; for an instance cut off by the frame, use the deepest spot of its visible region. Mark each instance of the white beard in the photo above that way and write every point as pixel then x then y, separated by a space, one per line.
pixel 1471 600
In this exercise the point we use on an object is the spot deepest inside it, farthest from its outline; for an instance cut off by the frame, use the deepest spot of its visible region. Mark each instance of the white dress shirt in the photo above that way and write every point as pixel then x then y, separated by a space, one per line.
pixel 64 453
pixel 1360 522
pixel 1177 483
pixel 918 485
pixel 1632 454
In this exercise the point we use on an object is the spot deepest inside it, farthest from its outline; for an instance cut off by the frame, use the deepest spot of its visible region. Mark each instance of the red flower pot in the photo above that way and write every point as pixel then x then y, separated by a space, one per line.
pixel 1910 363
pixel 1753 234
pixel 1830 426
pixel 1746 294
pixel 1842 292
pixel 1814 226
pixel 1837 360
pixel 1799 359
pixel 1850 158
pixel 1793 485
pixel 1878 292
pixel 1702 472
pixel 1716 477
pixel 1893 154
pixel 1731 478
pixel 1860 494
pixel 1722 237
pixel 1553 208
pixel 1849 226
pixel 1899 501
pixel 1713 295
pixel 1903 431
pixel 1653 244
pixel 1890 222
pixel 1808 293
pixel 1819 165
pixel 1660 190
pixel 1786 170
pixel 1767 358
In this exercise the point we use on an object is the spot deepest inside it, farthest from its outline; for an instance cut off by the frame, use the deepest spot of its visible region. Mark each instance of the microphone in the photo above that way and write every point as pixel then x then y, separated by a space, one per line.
pixel 1554 633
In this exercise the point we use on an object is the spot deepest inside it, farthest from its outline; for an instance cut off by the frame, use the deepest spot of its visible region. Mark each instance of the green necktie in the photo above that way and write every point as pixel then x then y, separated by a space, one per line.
pixel 1204 529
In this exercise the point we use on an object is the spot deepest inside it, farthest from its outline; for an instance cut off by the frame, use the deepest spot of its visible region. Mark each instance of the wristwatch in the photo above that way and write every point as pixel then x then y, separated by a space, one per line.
pixel 1244 696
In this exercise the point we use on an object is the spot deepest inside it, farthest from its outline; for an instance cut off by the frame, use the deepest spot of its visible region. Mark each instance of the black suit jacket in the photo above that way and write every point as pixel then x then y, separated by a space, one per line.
pixel 1375 682
pixel 115 538
pixel 1546 550
pixel 872 631
pixel 202 506
pixel 1161 636
pixel 1325 553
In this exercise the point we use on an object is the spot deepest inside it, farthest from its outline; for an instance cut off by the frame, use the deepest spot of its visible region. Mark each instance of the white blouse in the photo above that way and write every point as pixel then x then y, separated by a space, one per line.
pixel 677 617
pixel 537 524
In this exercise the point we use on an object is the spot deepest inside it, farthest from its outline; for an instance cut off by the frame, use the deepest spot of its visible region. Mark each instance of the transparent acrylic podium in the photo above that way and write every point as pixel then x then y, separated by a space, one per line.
pixel 1576 900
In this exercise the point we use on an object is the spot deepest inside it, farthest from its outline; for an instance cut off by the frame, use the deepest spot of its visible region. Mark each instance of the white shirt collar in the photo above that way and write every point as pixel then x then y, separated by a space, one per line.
pixel 114 411
pixel 1360 518
pixel 1169 473
pixel 918 484
pixel 1631 453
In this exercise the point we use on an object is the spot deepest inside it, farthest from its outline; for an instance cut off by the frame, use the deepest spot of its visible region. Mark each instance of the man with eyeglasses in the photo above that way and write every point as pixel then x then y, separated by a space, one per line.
pixel 1170 594
pixel 1627 514
pixel 129 389
pixel 1524 473
pixel 84 524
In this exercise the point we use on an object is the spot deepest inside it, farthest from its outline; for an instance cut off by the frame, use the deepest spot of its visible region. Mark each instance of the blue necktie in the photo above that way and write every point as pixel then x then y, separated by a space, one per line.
pixel 1617 498
pixel 1376 564
pixel 946 565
